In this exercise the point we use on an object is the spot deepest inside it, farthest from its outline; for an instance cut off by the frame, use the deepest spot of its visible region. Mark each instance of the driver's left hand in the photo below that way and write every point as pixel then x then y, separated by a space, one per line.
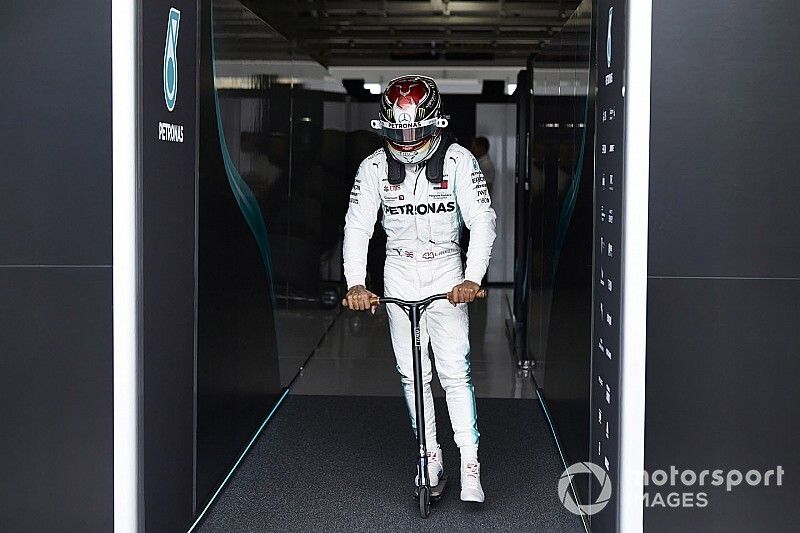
pixel 463 293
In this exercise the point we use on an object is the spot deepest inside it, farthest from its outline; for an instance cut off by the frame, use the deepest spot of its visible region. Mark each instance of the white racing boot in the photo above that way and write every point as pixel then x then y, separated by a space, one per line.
pixel 471 490
pixel 435 466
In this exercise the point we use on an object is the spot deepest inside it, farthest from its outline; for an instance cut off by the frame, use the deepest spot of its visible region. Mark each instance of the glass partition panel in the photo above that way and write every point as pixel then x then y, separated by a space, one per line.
pixel 282 118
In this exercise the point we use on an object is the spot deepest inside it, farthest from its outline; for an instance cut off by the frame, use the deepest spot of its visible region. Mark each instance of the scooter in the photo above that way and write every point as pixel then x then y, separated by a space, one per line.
pixel 423 491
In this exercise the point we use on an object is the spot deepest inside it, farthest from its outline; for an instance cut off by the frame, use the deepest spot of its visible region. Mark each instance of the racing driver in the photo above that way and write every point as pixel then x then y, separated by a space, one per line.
pixel 427 187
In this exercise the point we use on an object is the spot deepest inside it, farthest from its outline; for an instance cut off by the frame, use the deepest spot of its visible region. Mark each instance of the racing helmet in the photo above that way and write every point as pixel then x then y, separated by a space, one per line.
pixel 409 118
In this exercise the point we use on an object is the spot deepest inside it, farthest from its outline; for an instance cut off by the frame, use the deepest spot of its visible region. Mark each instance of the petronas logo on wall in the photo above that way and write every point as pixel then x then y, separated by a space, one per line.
pixel 171 59
pixel 608 37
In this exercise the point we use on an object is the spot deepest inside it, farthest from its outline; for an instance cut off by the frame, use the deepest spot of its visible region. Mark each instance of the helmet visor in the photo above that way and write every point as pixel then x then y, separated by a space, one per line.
pixel 410 132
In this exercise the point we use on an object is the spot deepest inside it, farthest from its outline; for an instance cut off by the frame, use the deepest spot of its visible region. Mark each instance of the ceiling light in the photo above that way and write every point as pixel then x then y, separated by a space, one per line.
pixel 373 88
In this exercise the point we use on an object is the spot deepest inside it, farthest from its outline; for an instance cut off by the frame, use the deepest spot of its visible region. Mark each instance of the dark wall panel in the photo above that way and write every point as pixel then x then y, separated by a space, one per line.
pixel 724 139
pixel 543 213
pixel 461 112
pixel 55 139
pixel 522 237
pixel 608 284
pixel 167 188
pixel 721 393
pixel 56 410
pixel 724 254
pixel 56 348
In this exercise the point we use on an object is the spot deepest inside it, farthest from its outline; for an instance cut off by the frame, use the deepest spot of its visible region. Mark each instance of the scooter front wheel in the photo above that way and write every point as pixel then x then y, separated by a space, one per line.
pixel 424 502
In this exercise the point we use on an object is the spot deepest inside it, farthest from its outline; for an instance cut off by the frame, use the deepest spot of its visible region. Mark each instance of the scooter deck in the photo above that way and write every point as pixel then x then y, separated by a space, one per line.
pixel 436 491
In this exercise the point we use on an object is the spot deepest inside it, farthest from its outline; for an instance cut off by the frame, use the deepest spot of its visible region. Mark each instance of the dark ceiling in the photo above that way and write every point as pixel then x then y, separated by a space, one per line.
pixel 391 32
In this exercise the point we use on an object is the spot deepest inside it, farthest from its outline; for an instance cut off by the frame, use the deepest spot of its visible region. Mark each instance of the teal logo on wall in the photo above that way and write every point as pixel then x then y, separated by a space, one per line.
pixel 171 59
pixel 608 37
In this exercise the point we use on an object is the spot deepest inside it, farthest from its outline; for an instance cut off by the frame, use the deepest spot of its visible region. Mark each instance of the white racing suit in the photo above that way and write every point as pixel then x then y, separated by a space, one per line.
pixel 423 226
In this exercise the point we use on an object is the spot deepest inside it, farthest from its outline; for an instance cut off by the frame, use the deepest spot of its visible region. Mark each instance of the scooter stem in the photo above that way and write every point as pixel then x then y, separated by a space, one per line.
pixel 414 310
pixel 414 314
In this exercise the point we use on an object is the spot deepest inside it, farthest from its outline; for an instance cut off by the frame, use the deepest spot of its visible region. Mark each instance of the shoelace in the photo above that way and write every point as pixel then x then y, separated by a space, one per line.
pixel 433 457
pixel 472 471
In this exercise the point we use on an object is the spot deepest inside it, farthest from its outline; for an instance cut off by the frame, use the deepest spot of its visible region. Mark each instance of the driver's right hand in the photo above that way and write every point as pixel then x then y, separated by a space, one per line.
pixel 358 299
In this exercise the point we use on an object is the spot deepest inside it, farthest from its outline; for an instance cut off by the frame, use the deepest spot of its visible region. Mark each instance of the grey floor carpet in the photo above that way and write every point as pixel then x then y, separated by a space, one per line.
pixel 346 464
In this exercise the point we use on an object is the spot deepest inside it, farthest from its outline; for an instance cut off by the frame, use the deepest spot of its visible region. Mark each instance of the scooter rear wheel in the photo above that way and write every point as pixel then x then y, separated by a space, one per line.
pixel 424 502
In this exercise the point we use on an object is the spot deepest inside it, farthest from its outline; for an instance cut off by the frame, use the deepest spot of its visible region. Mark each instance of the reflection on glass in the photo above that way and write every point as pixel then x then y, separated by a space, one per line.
pixel 290 137
pixel 562 167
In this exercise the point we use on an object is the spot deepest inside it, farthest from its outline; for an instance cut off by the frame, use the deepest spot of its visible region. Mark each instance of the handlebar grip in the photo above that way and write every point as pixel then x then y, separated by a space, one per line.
pixel 374 301
pixel 480 294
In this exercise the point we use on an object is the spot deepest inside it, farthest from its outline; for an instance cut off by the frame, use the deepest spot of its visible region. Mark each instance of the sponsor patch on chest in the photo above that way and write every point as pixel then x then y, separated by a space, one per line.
pixel 420 209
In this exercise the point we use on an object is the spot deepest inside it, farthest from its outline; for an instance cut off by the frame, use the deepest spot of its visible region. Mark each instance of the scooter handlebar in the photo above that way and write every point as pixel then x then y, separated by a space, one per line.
pixel 376 300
